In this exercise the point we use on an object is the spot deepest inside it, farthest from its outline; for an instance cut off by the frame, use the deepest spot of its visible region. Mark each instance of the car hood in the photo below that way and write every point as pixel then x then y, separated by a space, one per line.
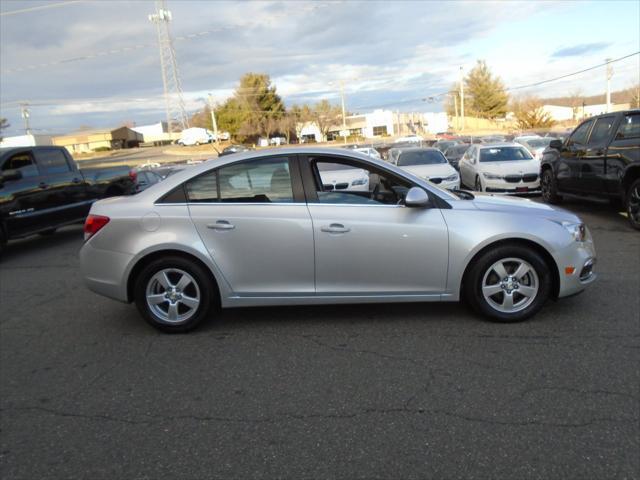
pixel 437 170
pixel 524 206
pixel 511 168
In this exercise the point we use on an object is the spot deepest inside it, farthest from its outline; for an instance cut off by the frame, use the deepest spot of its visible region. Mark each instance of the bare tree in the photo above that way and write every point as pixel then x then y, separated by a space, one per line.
pixel 530 114
pixel 325 115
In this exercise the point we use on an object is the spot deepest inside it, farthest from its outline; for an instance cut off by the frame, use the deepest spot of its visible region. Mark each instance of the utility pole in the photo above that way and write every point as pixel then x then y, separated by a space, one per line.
pixel 344 118
pixel 461 100
pixel 174 102
pixel 24 112
pixel 214 124
pixel 609 75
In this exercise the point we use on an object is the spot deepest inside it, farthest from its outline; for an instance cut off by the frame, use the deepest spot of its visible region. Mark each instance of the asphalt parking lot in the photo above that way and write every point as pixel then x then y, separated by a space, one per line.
pixel 88 390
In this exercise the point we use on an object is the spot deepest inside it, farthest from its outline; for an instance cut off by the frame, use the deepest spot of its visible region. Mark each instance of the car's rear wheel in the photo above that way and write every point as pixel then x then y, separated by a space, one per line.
pixel 478 186
pixel 549 187
pixel 508 284
pixel 174 294
pixel 633 204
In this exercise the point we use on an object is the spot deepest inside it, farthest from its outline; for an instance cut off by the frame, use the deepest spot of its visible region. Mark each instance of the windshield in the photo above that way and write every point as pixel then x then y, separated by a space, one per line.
pixel 504 154
pixel 539 142
pixel 421 157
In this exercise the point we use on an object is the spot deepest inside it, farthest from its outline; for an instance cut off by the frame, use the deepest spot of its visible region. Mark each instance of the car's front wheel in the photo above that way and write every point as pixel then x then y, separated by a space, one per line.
pixel 174 294
pixel 508 283
pixel 633 204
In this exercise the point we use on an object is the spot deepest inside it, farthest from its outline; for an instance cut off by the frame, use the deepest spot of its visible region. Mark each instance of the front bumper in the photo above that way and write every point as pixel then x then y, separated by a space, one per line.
pixel 576 268
pixel 103 271
pixel 451 185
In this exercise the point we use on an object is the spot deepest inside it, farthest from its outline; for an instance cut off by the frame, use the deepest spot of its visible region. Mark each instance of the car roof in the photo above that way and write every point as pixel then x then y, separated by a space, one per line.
pixel 484 146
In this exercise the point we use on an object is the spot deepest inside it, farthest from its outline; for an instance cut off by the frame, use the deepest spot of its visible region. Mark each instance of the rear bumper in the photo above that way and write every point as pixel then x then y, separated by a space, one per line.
pixel 103 271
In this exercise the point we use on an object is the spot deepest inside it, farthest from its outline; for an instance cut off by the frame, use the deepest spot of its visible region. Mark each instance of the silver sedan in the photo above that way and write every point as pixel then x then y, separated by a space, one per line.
pixel 262 228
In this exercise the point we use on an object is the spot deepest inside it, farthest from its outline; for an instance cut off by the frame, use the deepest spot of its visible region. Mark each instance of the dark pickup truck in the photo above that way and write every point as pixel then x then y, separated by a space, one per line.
pixel 42 188
pixel 600 159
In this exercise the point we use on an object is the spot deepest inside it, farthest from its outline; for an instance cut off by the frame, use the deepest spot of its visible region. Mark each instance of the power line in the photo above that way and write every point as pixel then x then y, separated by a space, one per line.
pixel 40 7
pixel 572 74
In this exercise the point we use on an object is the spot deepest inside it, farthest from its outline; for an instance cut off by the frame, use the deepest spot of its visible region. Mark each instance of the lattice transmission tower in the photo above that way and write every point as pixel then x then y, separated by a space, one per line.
pixel 174 102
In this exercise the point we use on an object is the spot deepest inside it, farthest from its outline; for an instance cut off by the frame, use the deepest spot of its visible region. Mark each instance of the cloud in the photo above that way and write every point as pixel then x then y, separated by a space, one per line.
pixel 580 49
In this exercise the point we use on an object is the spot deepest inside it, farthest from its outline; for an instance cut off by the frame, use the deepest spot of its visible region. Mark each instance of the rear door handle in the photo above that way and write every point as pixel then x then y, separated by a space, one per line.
pixel 221 225
pixel 335 228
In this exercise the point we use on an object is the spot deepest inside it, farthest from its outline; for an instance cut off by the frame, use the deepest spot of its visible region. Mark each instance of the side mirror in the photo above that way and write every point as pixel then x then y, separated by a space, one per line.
pixel 10 175
pixel 557 144
pixel 417 197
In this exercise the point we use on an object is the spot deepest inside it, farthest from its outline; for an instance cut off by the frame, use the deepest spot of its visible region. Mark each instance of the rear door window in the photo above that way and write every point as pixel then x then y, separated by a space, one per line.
pixel 52 161
pixel 629 127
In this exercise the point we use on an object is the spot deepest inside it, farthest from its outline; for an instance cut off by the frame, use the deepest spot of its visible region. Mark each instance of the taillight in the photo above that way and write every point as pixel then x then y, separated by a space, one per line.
pixel 133 175
pixel 93 224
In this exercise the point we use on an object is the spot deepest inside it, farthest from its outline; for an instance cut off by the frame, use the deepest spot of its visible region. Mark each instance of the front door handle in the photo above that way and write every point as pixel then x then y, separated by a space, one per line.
pixel 335 228
pixel 221 225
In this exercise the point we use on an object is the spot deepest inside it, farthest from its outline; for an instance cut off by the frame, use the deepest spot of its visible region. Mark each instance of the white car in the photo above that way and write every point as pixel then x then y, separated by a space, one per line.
pixel 427 163
pixel 195 136
pixel 341 177
pixel 535 145
pixel 500 168
pixel 372 152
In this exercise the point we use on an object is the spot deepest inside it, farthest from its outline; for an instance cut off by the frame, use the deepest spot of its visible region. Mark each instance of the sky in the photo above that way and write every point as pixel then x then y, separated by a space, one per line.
pixel 95 63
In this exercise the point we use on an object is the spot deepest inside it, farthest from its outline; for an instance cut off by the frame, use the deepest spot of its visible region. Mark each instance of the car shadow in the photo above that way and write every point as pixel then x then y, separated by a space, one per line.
pixel 24 246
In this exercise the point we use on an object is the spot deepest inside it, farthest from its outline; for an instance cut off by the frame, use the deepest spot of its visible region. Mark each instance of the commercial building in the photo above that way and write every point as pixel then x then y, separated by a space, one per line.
pixel 25 141
pixel 96 140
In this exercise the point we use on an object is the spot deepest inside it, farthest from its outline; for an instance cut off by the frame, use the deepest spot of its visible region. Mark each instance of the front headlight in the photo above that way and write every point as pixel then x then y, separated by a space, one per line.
pixel 359 181
pixel 451 178
pixel 577 230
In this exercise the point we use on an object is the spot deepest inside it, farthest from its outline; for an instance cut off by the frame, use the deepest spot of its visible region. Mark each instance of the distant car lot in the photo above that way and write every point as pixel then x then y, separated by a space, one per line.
pixel 381 391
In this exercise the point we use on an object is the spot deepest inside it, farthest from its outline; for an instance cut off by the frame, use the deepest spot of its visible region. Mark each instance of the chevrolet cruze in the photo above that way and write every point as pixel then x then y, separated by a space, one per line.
pixel 267 228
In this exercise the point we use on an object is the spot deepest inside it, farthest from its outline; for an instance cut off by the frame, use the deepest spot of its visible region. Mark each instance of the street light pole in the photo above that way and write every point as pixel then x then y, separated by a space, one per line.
pixel 344 118
pixel 609 73
pixel 214 124
pixel 462 99
pixel 24 112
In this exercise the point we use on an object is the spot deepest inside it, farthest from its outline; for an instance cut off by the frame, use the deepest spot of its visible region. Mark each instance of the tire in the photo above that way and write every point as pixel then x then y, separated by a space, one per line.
pixel 549 187
pixel 483 278
pixel 478 185
pixel 632 204
pixel 170 281
pixel 48 233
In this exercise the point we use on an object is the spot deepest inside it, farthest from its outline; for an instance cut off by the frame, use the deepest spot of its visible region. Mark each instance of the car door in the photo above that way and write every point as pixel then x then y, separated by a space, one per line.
pixel 466 165
pixel 592 164
pixel 66 199
pixel 23 202
pixel 253 220
pixel 623 151
pixel 369 243
pixel 570 159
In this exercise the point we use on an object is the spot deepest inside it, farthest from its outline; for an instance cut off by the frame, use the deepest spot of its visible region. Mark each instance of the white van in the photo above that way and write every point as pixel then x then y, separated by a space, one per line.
pixel 195 136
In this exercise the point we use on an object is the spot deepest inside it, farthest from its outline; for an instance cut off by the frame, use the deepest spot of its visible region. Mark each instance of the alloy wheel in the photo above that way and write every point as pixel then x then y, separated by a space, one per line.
pixel 510 285
pixel 173 295
pixel 633 204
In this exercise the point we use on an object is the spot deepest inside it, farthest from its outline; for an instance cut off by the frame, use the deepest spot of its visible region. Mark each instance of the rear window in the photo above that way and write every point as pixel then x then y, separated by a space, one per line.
pixel 421 157
pixel 629 127
pixel 504 154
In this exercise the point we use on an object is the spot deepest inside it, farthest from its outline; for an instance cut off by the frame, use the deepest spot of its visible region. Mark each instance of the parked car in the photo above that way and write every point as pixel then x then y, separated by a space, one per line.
pixel 343 177
pixel 234 149
pixel 427 163
pixel 443 145
pixel 454 154
pixel 535 145
pixel 42 189
pixel 145 178
pixel 600 159
pixel 260 228
pixel 195 136
pixel 500 168
pixel 410 139
pixel 372 152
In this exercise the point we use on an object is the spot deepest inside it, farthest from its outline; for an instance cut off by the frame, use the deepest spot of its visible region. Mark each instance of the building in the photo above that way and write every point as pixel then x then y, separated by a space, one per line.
pixel 96 140
pixel 156 134
pixel 561 113
pixel 25 141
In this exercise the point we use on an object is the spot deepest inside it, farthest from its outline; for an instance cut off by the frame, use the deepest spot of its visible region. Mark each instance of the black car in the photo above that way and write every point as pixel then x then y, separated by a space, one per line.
pixel 600 159
pixel 455 153
pixel 234 149
pixel 42 188
pixel 146 178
